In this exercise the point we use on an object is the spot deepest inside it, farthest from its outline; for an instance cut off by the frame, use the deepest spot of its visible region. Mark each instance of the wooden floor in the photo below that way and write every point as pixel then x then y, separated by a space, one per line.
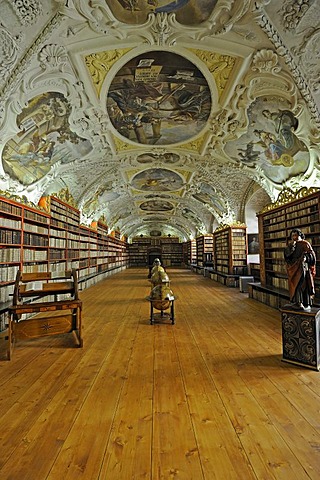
pixel 206 398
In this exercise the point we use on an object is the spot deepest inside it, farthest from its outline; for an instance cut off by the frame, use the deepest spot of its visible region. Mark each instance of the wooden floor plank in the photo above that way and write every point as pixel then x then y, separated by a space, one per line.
pixel 207 398
pixel 175 450
pixel 94 422
pixel 298 433
pixel 128 454
pixel 54 421
pixel 219 445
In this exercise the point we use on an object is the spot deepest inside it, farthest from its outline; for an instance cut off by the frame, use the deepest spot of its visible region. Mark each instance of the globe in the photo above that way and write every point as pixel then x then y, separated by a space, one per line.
pixel 161 296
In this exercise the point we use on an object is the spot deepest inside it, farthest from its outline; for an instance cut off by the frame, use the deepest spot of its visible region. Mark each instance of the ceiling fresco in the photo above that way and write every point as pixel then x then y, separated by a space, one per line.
pixel 187 11
pixel 44 139
pixel 271 141
pixel 159 98
pixel 166 158
pixel 158 115
pixel 207 195
pixel 157 180
pixel 156 206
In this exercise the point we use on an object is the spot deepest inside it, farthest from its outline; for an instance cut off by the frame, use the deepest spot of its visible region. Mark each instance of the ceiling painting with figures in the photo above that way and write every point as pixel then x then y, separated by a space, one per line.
pixel 159 98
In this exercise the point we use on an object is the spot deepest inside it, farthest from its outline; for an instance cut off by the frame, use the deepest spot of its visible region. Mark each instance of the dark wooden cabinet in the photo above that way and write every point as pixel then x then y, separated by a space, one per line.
pixel 301 337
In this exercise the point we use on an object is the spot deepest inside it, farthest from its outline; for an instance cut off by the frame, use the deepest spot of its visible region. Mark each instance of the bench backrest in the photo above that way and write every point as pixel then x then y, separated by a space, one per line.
pixel 41 284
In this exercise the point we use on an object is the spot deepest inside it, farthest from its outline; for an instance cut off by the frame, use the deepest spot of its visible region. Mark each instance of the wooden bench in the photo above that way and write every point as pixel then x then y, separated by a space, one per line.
pixel 33 315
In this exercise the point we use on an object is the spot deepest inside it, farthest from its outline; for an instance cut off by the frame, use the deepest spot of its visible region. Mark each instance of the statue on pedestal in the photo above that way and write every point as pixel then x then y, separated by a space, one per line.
pixel 300 261
pixel 156 272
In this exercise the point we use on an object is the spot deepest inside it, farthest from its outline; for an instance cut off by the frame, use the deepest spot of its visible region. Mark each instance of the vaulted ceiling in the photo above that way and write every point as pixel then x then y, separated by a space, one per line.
pixel 159 116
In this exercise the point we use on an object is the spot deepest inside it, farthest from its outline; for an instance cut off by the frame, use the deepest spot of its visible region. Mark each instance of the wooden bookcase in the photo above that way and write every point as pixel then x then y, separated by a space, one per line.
pixel 172 251
pixel 230 243
pixel 11 215
pixel 33 240
pixel 300 210
pixel 65 235
pixel 190 252
pixel 254 270
pixel 204 249
pixel 138 251
pixel 88 244
pixel 24 240
pixel 90 251
pixel 102 254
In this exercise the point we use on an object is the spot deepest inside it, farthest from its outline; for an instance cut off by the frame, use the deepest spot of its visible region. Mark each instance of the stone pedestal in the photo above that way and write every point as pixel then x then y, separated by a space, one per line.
pixel 301 337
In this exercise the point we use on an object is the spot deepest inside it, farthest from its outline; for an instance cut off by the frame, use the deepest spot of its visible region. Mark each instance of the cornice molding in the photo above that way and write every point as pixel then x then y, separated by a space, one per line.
pixel 287 196
pixel 283 52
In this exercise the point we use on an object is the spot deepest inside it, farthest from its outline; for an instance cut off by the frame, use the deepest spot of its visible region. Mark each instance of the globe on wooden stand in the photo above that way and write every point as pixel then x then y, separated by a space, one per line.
pixel 161 296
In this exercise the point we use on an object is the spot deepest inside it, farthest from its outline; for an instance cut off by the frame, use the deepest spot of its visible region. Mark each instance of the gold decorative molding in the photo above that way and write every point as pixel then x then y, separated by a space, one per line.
pixel 66 197
pixel 100 63
pixel 103 220
pixel 22 200
pixel 287 195
pixel 194 145
pixel 122 146
pixel 224 226
pixel 220 66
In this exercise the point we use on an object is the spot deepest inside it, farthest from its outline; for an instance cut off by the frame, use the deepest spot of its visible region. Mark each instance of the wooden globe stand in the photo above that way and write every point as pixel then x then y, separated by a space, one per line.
pixel 165 309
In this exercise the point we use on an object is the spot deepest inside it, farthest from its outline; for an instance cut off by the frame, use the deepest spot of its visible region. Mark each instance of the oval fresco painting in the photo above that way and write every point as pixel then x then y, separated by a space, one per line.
pixel 156 206
pixel 159 98
pixel 153 219
pixel 188 12
pixel 207 195
pixel 152 157
pixel 101 197
pixel 157 180
pixel 44 139
pixel 271 142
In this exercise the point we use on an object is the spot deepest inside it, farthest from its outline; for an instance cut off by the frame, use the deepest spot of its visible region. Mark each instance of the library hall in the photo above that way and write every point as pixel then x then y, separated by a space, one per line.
pixel 160 239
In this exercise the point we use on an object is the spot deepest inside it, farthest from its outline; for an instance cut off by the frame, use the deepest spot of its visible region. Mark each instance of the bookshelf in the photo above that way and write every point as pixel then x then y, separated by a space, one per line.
pixel 138 251
pixel 254 270
pixel 190 252
pixel 172 251
pixel 33 240
pixel 204 250
pixel 292 210
pixel 24 241
pixel 64 236
pixel 230 250
pixel 88 248
pixel 169 249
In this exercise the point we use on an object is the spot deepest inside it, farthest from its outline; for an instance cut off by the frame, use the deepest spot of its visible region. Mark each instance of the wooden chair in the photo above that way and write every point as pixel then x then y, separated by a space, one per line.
pixel 31 317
